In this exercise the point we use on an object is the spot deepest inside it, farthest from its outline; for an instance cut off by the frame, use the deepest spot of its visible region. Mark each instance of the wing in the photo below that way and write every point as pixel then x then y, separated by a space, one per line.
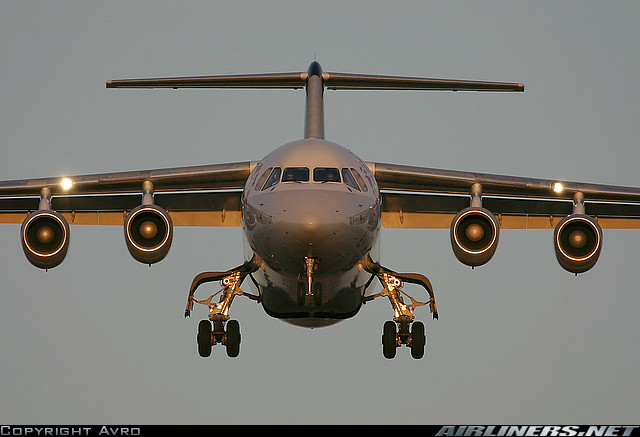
pixel 418 197
pixel 476 206
pixel 206 195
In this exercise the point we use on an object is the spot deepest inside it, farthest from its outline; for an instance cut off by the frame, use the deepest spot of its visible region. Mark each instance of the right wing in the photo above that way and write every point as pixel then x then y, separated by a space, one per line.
pixel 475 206
pixel 420 197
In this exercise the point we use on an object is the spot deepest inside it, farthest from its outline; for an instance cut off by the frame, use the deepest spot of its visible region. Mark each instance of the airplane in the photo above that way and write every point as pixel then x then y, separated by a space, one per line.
pixel 311 212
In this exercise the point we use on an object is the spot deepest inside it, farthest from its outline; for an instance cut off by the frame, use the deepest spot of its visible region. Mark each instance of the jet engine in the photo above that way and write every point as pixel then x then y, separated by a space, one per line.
pixel 148 230
pixel 578 241
pixel 474 232
pixel 45 235
pixel 474 236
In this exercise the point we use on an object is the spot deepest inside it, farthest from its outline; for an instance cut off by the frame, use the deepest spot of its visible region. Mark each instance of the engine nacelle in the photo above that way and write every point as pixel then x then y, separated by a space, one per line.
pixel 148 231
pixel 578 242
pixel 45 238
pixel 474 236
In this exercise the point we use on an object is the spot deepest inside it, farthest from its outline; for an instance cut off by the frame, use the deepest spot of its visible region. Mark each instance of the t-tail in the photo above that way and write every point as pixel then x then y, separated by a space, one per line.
pixel 315 81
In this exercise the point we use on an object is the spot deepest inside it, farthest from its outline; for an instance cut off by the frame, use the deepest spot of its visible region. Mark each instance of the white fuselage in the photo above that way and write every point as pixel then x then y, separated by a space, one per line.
pixel 311 213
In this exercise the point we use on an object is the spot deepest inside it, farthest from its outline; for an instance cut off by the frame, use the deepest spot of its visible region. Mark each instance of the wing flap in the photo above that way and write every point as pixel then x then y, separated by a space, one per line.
pixel 399 220
pixel 179 218
pixel 186 209
pixel 429 211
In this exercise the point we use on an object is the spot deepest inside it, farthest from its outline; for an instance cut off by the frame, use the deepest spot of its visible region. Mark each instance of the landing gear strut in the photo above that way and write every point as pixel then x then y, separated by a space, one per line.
pixel 219 328
pixel 402 330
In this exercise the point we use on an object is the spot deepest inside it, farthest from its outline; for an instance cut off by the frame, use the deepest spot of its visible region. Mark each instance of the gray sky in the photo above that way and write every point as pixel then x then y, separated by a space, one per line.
pixel 102 338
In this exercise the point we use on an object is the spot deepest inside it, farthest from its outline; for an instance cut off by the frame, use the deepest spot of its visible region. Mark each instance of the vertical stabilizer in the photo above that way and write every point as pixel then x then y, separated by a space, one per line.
pixel 314 115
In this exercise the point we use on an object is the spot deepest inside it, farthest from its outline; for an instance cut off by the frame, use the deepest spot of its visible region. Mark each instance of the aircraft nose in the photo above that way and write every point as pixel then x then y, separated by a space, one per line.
pixel 319 224
pixel 315 215
pixel 309 226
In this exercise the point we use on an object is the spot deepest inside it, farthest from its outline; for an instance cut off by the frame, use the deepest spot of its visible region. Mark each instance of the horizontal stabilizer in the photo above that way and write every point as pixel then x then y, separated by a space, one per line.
pixel 267 80
pixel 335 81
pixel 347 81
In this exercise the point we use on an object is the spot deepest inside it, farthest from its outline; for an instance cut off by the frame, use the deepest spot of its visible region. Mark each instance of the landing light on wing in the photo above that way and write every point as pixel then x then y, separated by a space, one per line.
pixel 66 184
pixel 558 187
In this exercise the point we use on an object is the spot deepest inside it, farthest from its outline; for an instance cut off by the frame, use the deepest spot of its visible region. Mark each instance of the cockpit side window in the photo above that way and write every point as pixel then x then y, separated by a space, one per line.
pixel 360 180
pixel 295 174
pixel 274 178
pixel 326 174
pixel 263 177
pixel 349 180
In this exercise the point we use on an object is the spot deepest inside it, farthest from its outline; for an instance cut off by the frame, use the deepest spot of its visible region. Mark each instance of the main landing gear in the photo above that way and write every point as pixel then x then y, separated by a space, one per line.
pixel 219 328
pixel 403 330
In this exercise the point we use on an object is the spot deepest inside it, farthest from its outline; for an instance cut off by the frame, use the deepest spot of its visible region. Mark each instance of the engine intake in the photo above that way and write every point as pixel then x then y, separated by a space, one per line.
pixel 45 238
pixel 474 236
pixel 148 231
pixel 578 242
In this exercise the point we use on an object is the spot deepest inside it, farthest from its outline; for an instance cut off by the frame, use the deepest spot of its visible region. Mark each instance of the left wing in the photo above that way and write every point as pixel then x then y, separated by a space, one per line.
pixel 206 195
pixel 475 206
pixel 209 195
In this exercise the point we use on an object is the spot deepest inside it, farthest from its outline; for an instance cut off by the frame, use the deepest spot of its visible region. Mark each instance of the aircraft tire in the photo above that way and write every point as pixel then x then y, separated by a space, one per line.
pixel 418 340
pixel 204 338
pixel 233 338
pixel 389 339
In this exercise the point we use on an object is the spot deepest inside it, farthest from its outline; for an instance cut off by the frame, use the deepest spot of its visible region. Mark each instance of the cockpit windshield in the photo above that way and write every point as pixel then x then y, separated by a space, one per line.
pixel 350 176
pixel 325 174
pixel 295 174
